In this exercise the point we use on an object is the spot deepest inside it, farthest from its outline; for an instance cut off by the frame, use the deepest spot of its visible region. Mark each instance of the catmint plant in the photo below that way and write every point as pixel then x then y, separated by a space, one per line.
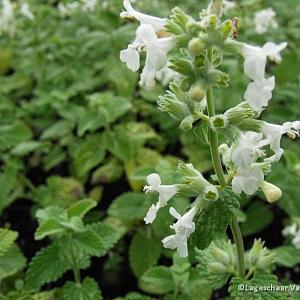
pixel 195 49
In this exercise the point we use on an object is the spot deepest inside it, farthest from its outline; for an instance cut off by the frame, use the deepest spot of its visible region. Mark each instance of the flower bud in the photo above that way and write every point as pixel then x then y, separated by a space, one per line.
pixel 187 123
pixel 271 191
pixel 197 92
pixel 220 255
pixel 255 252
pixel 216 8
pixel 196 46
pixel 266 261
pixel 217 268
pixel 217 77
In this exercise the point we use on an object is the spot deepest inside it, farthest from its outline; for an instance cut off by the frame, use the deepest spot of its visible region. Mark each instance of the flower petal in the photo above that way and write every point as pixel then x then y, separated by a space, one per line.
pixel 131 57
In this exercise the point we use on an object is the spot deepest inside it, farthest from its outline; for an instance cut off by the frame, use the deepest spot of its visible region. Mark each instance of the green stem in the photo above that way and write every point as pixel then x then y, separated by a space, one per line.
pixel 214 144
pixel 76 270
pixel 76 273
pixel 238 240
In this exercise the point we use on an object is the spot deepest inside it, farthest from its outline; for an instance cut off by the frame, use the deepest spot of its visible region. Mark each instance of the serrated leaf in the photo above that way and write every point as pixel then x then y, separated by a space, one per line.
pixel 160 278
pixel 214 219
pixel 87 290
pixel 144 252
pixel 201 132
pixel 85 243
pixel 11 262
pixel 130 206
pixel 49 227
pixel 12 135
pixel 287 256
pixel 46 266
pixel 260 279
pixel 89 154
pixel 7 238
pixel 81 208
pixel 106 233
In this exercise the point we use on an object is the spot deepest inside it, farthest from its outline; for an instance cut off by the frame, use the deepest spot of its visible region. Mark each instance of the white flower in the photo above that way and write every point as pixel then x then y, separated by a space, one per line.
pixel 290 230
pixel 259 93
pixel 248 149
pixel 228 5
pixel 264 20
pixel 89 5
pixel 256 58
pixel 26 12
pixel 273 134
pixel 247 180
pixel 296 240
pixel 184 227
pixel 68 9
pixel 7 17
pixel 156 54
pixel 166 75
pixel 166 192
pixel 157 23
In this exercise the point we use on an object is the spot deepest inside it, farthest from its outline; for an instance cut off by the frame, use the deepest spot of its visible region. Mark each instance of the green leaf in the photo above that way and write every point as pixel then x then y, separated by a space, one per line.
pixel 160 279
pixel 7 238
pixel 54 220
pixel 260 279
pixel 11 262
pixel 89 121
pixel 61 191
pixel 58 130
pixel 105 108
pixel 106 233
pixel 258 217
pixel 89 154
pixel 81 208
pixel 48 227
pixel 201 132
pixel 26 147
pixel 87 290
pixel 130 206
pixel 134 296
pixel 144 252
pixel 287 256
pixel 12 135
pixel 119 144
pixel 214 219
pixel 46 266
pixel 9 188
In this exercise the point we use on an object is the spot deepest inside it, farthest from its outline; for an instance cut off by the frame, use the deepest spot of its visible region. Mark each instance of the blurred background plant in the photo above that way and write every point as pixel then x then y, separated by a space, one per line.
pixel 74 124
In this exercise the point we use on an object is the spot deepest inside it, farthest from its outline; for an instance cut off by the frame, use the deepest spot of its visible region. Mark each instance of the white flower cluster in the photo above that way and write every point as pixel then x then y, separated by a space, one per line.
pixel 7 15
pixel 251 161
pixel 69 8
pixel 293 230
pixel 265 20
pixel 259 91
pixel 248 153
pixel 147 39
pixel 184 226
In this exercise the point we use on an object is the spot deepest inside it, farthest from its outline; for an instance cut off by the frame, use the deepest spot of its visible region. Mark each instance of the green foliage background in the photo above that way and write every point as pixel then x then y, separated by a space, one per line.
pixel 75 125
